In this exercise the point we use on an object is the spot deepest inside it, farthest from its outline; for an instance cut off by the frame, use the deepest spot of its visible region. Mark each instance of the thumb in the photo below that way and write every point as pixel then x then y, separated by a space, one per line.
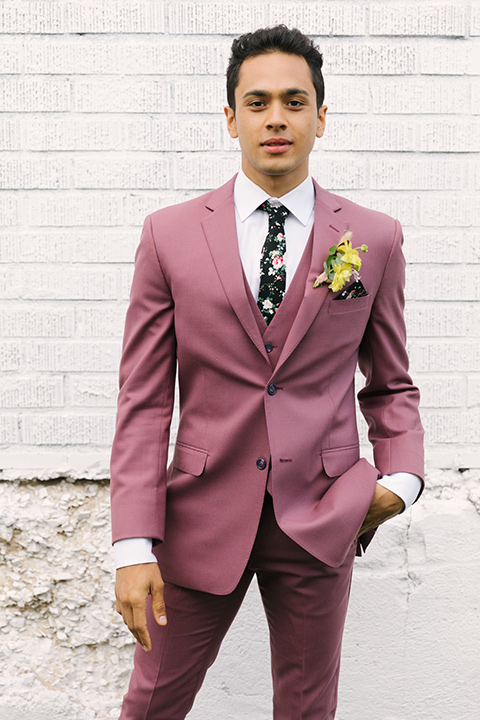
pixel 158 604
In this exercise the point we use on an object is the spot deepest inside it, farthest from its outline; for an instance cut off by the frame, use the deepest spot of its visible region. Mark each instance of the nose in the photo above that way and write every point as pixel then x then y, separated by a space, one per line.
pixel 276 117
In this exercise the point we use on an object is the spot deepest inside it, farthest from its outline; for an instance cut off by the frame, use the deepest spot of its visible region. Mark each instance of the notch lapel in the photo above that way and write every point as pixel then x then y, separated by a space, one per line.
pixel 328 228
pixel 221 235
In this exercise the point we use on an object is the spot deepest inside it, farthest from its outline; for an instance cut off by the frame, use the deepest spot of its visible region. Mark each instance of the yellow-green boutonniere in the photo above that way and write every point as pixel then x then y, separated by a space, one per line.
pixel 343 260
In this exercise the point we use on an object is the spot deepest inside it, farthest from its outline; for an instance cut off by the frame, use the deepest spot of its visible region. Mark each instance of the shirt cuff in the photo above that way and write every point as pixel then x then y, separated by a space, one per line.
pixel 133 551
pixel 406 485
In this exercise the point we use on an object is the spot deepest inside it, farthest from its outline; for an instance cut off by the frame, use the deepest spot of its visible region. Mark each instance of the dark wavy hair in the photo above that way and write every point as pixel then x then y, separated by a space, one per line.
pixel 276 39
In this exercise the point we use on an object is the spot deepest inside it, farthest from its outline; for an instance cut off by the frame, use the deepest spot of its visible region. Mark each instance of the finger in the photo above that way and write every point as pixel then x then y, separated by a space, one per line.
pixel 138 626
pixel 158 604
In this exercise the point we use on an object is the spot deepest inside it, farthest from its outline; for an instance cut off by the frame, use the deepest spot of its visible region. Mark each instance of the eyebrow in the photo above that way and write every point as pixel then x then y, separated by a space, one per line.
pixel 264 93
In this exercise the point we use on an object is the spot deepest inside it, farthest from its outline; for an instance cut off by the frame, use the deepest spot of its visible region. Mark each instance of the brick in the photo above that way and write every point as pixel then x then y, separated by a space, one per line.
pixel 398 205
pixel 63 283
pixel 173 133
pixel 199 95
pixel 32 17
pixel 114 172
pixel 450 210
pixel 38 391
pixel 137 206
pixel 473 394
pixel 34 94
pixel 425 173
pixel 121 95
pixel 34 172
pixel 74 209
pixel 11 283
pixel 93 391
pixel 448 356
pixel 45 429
pixel 475 20
pixel 432 95
pixel 66 133
pixel 354 134
pixel 146 56
pixel 439 319
pixel 8 429
pixel 90 55
pixel 78 245
pixel 449 57
pixel 472 320
pixel 369 58
pixel 12 52
pixel 86 356
pixel 442 391
pixel 100 321
pixel 337 173
pixel 214 18
pixel 436 18
pixel 459 135
pixel 448 243
pixel 10 353
pixel 10 138
pixel 320 18
pixel 197 171
pixel 451 426
pixel 115 17
pixel 36 322
pixel 347 95
pixel 126 282
pixel 444 282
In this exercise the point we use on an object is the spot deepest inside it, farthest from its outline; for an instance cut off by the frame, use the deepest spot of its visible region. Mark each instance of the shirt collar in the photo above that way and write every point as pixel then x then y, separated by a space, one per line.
pixel 248 196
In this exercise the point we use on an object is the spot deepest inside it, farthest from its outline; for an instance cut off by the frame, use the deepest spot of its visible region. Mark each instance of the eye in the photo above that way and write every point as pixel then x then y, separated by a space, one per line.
pixel 296 103
pixel 256 103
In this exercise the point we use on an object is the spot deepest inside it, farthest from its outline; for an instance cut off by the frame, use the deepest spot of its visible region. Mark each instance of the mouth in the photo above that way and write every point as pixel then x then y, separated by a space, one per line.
pixel 275 146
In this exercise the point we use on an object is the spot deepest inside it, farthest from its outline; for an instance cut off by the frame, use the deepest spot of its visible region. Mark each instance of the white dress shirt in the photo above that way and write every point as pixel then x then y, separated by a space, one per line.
pixel 252 228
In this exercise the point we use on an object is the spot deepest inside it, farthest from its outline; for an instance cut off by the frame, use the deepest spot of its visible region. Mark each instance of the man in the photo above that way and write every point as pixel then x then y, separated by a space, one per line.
pixel 266 476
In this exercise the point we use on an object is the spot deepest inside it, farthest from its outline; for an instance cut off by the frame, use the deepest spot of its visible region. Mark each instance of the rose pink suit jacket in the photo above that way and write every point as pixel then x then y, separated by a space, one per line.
pixel 189 304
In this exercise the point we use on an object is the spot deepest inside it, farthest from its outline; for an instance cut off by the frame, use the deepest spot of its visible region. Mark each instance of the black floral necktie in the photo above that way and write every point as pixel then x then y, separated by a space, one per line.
pixel 273 272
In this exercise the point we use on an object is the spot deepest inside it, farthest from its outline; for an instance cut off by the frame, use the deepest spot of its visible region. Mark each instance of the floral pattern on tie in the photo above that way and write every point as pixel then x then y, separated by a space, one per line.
pixel 273 272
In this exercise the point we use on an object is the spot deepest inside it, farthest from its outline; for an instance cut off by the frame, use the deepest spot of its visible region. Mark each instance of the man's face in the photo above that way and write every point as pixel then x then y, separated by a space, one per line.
pixel 276 120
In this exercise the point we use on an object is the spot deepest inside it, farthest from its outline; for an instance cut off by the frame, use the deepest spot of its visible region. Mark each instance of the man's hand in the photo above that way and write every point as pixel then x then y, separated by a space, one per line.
pixel 133 585
pixel 385 505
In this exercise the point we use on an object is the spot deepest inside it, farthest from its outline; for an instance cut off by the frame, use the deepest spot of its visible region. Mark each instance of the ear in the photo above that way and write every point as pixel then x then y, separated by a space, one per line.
pixel 321 120
pixel 231 122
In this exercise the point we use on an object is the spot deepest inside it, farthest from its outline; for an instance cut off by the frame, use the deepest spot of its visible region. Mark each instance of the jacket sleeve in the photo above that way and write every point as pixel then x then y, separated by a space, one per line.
pixel 389 401
pixel 145 401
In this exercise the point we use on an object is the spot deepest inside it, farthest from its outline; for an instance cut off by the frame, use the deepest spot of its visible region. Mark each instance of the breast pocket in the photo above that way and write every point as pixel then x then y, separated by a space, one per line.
pixel 336 307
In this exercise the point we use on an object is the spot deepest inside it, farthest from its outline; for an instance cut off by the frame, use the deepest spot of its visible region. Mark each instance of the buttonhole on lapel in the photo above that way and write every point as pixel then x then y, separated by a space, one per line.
pixel 334 228
pixel 337 209
pixel 284 460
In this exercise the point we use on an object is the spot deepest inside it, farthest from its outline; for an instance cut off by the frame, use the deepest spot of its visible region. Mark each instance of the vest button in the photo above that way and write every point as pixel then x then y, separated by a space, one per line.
pixel 268 347
pixel 261 464
pixel 272 389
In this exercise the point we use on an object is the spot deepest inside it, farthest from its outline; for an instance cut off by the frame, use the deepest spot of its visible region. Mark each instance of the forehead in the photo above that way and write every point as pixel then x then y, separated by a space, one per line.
pixel 274 72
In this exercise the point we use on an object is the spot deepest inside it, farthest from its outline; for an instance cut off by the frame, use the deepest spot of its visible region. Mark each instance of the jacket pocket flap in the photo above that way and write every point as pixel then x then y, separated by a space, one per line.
pixel 338 460
pixel 189 460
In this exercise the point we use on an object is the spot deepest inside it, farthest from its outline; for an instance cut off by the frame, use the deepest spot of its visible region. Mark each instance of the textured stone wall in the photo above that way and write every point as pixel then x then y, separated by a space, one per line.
pixel 411 641
pixel 111 109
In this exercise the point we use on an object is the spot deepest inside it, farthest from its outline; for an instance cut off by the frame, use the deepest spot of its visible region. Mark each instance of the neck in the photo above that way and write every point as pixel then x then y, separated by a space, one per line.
pixel 276 185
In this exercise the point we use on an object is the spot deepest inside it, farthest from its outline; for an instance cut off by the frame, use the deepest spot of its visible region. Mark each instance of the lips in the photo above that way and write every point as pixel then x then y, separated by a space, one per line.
pixel 276 145
pixel 277 142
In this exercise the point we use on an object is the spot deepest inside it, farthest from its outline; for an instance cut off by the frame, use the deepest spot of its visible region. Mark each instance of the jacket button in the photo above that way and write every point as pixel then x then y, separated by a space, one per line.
pixel 268 347
pixel 272 389
pixel 261 464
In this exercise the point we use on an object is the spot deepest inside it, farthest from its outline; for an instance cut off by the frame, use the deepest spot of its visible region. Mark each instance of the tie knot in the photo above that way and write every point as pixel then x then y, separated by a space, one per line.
pixel 276 213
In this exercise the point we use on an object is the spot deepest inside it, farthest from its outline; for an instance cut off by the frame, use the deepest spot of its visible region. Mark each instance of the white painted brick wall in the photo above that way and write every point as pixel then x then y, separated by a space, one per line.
pixel 112 109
